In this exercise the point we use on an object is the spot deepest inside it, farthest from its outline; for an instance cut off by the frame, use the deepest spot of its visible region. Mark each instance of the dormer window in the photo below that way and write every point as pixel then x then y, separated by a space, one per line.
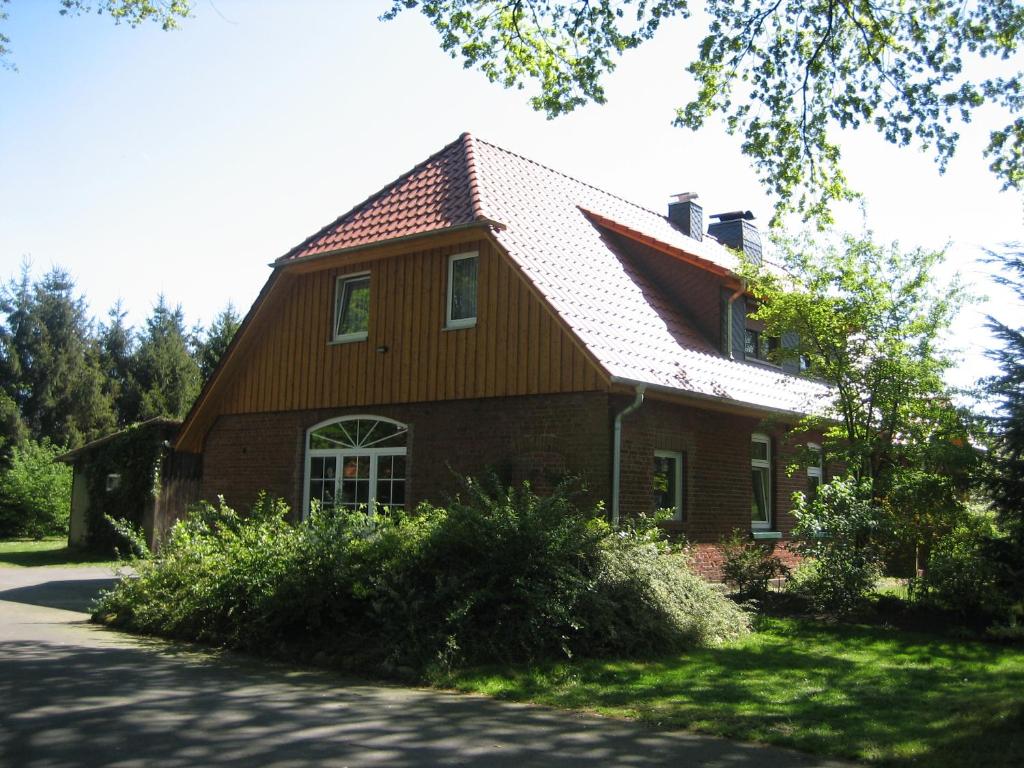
pixel 758 346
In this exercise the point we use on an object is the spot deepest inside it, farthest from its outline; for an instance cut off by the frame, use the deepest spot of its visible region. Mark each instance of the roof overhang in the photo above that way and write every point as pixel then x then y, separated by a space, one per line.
pixel 159 421
pixel 710 402
pixel 729 277
pixel 388 247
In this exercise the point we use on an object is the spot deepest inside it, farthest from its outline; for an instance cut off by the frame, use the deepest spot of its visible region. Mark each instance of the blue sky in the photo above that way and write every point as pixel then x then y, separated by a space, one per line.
pixel 184 162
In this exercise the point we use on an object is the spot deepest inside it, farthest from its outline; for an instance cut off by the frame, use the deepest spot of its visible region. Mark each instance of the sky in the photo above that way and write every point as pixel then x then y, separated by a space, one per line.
pixel 181 163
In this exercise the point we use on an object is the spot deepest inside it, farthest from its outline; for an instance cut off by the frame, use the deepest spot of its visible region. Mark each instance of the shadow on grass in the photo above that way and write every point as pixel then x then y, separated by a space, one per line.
pixel 67 705
pixel 859 692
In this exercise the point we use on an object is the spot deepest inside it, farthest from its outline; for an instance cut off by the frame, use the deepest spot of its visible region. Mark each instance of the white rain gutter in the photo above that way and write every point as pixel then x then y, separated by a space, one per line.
pixel 617 449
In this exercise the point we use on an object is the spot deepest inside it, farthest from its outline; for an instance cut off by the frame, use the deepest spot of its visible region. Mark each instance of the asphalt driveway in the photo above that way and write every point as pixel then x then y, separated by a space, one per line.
pixel 75 694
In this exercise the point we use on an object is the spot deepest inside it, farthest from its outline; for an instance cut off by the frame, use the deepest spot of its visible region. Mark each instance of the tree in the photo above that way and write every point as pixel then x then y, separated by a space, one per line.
pixel 50 361
pixel 218 337
pixel 116 348
pixel 786 75
pixel 165 376
pixel 869 320
pixel 131 12
pixel 1006 482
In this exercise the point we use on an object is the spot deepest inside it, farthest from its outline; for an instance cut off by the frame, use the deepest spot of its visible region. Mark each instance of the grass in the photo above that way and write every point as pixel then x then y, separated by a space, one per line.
pixel 28 553
pixel 880 695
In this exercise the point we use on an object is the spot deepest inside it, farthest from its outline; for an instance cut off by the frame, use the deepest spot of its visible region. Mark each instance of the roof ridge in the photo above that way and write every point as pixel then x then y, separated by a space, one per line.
pixel 375 196
pixel 565 175
pixel 474 185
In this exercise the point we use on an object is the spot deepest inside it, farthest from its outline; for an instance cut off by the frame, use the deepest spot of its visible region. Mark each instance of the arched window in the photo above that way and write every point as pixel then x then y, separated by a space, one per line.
pixel 356 462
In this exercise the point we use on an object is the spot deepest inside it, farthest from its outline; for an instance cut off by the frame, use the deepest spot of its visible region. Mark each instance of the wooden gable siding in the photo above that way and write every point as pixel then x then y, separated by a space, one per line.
pixel 287 362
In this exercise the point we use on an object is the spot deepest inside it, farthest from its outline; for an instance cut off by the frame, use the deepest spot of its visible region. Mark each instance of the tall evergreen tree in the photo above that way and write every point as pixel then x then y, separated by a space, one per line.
pixel 51 361
pixel 117 346
pixel 1007 389
pixel 165 376
pixel 221 332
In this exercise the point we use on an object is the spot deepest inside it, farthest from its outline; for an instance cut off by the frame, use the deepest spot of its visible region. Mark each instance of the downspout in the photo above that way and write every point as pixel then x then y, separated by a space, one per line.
pixel 617 449
pixel 728 317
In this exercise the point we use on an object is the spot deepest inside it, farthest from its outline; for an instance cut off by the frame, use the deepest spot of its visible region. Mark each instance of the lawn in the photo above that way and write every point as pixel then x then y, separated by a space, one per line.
pixel 52 551
pixel 881 695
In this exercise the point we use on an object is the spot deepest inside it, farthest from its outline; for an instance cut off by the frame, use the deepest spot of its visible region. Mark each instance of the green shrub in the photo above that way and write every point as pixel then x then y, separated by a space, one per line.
pixel 961 576
pixel 35 492
pixel 748 566
pixel 499 575
pixel 838 532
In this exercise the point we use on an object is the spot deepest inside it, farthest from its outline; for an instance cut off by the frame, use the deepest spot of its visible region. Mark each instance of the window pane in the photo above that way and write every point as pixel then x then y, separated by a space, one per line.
pixel 750 343
pixel 321 481
pixel 815 458
pixel 812 486
pixel 463 289
pixel 354 310
pixel 759 450
pixel 664 490
pixel 759 509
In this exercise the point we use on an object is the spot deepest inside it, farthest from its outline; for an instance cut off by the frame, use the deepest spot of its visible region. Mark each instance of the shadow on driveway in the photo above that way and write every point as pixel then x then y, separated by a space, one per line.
pixel 81 706
pixel 68 595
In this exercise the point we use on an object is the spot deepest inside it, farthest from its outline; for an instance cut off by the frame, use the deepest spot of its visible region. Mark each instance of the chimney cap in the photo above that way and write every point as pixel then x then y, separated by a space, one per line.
pixel 684 197
pixel 733 216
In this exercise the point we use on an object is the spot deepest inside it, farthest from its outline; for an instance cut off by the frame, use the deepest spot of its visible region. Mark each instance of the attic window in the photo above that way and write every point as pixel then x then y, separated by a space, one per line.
pixel 352 308
pixel 757 346
pixel 462 282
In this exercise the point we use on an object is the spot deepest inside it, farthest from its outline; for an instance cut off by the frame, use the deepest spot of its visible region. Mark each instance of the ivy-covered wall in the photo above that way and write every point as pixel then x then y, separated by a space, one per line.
pixel 138 457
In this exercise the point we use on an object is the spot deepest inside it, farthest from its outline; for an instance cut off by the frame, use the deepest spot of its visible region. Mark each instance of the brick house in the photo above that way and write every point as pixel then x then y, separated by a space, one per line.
pixel 484 312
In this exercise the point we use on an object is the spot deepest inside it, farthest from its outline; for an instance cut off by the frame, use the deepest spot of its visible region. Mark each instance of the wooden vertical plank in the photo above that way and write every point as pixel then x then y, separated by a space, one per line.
pixel 309 338
pixel 555 359
pixel 489 340
pixel 502 318
pixel 321 334
pixel 416 329
pixel 407 327
pixel 523 340
pixel 533 383
pixel 292 348
pixel 430 323
pixel 463 361
pixel 544 353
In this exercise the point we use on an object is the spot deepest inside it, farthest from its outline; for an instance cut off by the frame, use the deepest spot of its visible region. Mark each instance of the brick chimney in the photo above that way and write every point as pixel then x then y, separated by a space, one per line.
pixel 687 215
pixel 734 230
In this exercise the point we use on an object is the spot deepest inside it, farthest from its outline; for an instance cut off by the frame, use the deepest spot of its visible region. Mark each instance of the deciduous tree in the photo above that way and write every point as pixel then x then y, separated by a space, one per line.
pixel 786 75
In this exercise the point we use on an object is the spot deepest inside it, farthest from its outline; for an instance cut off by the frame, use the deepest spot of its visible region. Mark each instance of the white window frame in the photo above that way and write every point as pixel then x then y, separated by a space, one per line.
pixel 817 471
pixel 373 453
pixel 766 464
pixel 465 322
pixel 339 293
pixel 678 456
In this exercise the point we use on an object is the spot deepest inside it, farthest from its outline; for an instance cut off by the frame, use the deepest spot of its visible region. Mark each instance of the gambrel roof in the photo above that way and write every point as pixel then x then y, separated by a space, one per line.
pixel 554 228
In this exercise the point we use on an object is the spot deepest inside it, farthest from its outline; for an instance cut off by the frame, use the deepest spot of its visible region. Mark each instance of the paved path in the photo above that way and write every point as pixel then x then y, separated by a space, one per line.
pixel 74 694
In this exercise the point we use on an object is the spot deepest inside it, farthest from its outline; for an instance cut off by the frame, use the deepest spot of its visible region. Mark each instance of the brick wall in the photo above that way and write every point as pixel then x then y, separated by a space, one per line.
pixel 537 438
pixel 717 485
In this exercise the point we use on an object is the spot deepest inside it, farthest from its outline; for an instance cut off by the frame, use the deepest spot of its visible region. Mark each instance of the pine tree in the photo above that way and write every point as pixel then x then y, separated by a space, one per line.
pixel 51 361
pixel 221 332
pixel 1007 389
pixel 165 376
pixel 117 346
